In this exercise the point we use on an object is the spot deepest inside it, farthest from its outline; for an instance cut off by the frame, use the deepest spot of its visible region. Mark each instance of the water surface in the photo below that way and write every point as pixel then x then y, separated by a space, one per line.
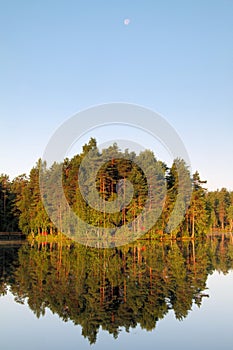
pixel 157 295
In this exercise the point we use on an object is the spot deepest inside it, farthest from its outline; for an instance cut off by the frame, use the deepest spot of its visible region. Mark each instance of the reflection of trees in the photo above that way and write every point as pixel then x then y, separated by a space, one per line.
pixel 122 287
pixel 8 263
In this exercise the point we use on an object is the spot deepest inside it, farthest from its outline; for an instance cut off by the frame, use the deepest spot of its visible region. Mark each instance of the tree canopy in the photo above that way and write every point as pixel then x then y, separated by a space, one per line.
pixel 192 212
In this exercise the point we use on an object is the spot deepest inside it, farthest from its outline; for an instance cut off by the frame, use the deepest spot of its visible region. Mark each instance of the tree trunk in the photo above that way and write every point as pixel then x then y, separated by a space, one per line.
pixel 193 225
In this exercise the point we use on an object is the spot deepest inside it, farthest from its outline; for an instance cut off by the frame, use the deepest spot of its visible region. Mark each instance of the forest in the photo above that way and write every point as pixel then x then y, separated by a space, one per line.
pixel 22 208
pixel 127 285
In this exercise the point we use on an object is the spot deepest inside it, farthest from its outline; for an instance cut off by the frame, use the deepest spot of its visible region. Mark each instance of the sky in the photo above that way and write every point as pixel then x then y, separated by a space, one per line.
pixel 174 57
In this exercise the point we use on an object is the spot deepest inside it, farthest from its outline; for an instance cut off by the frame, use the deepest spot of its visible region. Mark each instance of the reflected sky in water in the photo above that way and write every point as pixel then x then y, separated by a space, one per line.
pixel 207 327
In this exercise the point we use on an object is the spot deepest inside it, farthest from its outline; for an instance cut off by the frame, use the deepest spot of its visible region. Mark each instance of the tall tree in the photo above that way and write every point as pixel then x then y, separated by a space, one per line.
pixel 197 211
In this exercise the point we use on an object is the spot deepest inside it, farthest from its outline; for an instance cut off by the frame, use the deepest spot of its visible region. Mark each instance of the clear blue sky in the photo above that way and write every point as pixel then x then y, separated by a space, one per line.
pixel 175 56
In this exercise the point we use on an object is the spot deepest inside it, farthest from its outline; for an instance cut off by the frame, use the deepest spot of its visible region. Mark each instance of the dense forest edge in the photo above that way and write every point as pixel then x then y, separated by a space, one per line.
pixel 22 209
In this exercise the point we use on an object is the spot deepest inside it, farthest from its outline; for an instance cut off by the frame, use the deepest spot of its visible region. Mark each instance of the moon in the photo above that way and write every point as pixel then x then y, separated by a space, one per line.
pixel 126 21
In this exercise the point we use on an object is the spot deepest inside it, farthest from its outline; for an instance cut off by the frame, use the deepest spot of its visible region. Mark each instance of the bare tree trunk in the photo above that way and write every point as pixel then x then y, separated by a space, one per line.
pixel 193 224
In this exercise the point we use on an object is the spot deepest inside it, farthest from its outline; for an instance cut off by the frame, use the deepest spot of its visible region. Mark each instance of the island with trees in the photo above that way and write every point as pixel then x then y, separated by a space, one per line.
pixel 22 208
pixel 124 286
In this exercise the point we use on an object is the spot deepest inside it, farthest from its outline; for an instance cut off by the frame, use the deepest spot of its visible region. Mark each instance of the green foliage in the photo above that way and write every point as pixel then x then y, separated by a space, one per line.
pixel 8 214
pixel 160 204
pixel 220 204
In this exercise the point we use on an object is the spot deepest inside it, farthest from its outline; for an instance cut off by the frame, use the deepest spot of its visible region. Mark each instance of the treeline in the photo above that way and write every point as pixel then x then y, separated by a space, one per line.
pixel 114 288
pixel 155 187
pixel 220 209
pixel 9 214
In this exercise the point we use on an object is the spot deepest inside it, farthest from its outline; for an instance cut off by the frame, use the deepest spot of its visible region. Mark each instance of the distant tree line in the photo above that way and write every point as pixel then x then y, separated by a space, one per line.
pixel 21 206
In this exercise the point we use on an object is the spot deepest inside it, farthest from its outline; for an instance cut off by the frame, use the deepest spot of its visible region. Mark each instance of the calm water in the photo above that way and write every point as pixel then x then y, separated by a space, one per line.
pixel 157 296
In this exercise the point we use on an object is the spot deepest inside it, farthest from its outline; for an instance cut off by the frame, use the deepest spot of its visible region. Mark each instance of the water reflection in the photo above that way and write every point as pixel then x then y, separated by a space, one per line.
pixel 124 287
pixel 8 264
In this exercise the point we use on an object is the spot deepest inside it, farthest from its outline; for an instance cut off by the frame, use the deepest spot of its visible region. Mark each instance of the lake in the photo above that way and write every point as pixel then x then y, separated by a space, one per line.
pixel 156 295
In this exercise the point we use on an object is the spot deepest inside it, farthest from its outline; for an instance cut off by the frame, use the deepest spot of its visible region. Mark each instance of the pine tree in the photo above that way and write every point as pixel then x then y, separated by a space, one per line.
pixel 198 219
